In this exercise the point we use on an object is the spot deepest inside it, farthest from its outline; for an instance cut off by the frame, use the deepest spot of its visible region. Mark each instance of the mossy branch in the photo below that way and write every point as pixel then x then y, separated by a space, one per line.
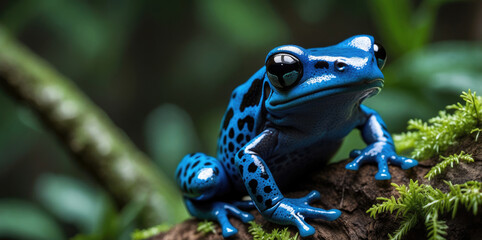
pixel 87 132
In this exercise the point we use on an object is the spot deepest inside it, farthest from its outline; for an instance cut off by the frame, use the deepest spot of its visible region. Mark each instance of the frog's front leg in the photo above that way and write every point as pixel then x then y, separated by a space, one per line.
pixel 380 147
pixel 265 193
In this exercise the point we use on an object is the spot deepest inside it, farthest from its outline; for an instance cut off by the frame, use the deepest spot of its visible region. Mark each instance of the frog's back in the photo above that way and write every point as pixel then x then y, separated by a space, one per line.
pixel 243 120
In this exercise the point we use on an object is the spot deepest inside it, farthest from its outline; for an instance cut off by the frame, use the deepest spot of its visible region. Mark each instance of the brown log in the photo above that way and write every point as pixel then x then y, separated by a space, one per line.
pixel 355 192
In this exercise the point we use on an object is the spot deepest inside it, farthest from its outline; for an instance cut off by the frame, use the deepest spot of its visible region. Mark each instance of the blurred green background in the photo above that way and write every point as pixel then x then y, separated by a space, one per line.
pixel 163 71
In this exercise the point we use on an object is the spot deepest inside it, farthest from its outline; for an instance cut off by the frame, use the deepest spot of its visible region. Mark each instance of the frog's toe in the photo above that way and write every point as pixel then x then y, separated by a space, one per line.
pixel 244 216
pixel 358 161
pixel 304 228
pixel 318 213
pixel 403 162
pixel 383 175
pixel 313 196
pixel 355 153
pixel 228 229
pixel 333 214
pixel 408 163
pixel 352 166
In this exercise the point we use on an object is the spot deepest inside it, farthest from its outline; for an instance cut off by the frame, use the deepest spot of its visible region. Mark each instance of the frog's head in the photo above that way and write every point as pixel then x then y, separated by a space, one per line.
pixel 299 75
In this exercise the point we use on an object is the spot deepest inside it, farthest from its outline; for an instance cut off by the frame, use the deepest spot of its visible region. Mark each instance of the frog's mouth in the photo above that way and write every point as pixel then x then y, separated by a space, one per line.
pixel 368 87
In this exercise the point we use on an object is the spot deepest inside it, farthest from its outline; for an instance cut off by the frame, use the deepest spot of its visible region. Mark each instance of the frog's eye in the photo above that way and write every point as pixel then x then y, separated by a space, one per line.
pixel 380 55
pixel 284 70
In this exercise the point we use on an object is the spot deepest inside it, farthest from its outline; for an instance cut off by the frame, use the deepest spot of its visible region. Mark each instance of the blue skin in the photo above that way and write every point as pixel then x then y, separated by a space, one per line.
pixel 276 130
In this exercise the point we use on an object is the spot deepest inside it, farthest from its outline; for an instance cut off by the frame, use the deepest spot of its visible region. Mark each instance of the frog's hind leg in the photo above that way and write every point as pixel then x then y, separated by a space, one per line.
pixel 201 179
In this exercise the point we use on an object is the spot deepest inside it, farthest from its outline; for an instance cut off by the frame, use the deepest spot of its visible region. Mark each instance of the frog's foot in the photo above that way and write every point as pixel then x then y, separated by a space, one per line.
pixel 382 154
pixel 219 211
pixel 293 211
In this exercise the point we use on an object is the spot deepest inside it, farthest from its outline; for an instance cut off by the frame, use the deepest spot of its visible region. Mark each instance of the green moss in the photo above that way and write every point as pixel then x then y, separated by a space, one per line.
pixel 150 232
pixel 419 203
pixel 425 203
pixel 206 227
pixel 448 161
pixel 259 234
pixel 426 139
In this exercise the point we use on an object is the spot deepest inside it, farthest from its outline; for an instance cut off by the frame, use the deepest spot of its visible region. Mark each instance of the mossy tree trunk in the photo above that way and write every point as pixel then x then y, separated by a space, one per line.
pixel 355 192
pixel 87 132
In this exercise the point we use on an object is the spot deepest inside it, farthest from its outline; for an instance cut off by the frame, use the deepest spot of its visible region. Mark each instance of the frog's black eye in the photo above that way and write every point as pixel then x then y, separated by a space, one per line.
pixel 380 55
pixel 284 70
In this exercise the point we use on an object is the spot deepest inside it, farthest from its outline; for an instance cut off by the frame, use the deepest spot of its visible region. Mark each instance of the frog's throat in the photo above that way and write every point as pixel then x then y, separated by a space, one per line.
pixel 376 84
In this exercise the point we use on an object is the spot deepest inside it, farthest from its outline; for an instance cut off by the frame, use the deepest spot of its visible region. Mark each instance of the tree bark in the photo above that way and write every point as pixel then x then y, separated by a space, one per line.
pixel 87 132
pixel 355 192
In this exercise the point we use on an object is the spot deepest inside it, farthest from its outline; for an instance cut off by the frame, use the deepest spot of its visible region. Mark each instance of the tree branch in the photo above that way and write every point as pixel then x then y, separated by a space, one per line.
pixel 87 132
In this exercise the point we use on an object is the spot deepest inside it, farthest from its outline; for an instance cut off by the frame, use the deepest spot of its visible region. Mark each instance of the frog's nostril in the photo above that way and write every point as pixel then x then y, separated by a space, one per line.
pixel 340 66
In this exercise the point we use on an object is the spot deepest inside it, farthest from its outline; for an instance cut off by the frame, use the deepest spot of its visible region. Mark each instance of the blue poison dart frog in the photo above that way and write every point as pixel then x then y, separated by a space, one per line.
pixel 289 118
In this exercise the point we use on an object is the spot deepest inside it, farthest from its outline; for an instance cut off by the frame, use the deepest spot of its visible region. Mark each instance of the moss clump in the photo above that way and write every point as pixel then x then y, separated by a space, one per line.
pixel 206 227
pixel 150 232
pixel 448 161
pixel 430 138
pixel 259 234
pixel 423 202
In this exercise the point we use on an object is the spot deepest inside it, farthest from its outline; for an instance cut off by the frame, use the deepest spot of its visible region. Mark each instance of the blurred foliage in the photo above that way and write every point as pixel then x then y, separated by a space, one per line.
pixel 163 71
pixel 170 134
pixel 71 200
pixel 24 220
pixel 150 232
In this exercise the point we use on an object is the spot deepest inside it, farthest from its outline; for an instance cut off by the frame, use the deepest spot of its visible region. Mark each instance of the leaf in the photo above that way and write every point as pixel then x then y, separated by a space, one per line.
pixel 71 200
pixel 23 220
